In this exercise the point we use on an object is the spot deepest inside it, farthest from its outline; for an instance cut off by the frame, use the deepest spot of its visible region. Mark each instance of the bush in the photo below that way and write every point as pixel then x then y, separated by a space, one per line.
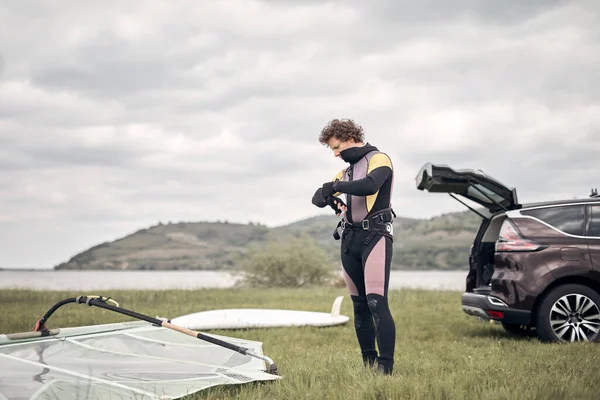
pixel 298 262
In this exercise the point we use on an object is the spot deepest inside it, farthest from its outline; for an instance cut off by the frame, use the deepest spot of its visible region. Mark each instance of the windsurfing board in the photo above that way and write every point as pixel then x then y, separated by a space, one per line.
pixel 244 318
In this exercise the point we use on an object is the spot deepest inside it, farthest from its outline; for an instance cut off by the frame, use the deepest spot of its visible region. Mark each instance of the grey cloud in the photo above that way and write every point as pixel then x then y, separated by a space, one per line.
pixel 72 155
pixel 103 78
pixel 493 12
pixel 106 66
pixel 410 12
pixel 132 78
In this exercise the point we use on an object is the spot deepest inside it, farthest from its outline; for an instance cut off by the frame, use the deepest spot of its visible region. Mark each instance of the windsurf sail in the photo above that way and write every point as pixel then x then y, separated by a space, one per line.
pixel 132 360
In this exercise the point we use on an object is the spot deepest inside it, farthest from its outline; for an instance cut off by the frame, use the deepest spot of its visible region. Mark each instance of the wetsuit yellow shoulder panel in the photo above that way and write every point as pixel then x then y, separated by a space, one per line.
pixel 338 177
pixel 371 201
pixel 379 160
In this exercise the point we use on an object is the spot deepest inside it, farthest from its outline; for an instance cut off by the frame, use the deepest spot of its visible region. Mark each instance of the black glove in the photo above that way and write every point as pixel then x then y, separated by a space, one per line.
pixel 318 199
pixel 334 202
pixel 329 188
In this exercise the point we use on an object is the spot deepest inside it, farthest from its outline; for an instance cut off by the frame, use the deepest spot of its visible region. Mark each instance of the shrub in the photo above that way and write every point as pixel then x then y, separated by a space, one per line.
pixel 298 262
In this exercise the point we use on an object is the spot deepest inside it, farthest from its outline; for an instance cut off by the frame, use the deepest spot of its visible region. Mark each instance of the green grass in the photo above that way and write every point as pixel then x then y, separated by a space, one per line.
pixel 441 353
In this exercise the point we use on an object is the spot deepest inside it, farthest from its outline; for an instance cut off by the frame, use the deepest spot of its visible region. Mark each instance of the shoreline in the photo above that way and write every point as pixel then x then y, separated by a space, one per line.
pixel 105 280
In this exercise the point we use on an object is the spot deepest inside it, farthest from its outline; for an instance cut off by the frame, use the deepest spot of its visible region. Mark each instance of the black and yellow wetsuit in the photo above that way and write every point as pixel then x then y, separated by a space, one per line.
pixel 366 250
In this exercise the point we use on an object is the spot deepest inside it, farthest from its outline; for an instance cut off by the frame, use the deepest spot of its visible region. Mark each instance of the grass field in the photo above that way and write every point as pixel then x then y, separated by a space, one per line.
pixel 441 353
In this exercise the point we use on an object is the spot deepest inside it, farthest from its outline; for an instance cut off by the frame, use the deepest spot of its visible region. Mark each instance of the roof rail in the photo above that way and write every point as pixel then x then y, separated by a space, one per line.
pixel 594 193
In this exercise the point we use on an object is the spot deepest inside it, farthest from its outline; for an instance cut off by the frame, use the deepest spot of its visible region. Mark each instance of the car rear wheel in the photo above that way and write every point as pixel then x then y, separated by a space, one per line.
pixel 569 313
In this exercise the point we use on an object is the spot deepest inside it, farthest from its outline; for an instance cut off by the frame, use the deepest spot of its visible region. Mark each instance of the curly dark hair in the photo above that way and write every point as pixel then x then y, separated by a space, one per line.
pixel 342 129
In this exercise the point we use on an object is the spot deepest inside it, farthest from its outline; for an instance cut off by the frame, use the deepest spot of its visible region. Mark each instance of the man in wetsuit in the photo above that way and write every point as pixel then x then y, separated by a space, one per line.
pixel 366 226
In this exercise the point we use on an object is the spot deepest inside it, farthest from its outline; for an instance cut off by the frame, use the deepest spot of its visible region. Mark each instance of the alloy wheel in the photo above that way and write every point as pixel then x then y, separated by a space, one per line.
pixel 575 317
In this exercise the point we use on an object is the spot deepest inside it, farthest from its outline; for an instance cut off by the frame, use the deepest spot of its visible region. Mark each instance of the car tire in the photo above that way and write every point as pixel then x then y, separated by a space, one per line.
pixel 571 321
pixel 520 330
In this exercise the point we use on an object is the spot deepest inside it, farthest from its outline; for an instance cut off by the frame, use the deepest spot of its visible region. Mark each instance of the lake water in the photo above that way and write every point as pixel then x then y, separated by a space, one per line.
pixel 152 280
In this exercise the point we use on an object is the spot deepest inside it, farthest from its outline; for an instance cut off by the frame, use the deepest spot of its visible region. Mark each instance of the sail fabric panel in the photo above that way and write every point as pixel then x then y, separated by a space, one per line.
pixel 122 362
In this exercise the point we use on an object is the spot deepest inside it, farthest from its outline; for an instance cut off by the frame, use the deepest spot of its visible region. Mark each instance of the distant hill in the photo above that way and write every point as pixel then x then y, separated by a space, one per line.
pixel 438 243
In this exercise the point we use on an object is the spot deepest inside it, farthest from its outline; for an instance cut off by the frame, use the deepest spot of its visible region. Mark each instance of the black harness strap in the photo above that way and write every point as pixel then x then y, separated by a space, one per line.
pixel 379 223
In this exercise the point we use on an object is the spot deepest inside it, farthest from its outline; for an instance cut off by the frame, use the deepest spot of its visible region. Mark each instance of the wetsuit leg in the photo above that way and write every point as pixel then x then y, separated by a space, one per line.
pixel 363 320
pixel 377 258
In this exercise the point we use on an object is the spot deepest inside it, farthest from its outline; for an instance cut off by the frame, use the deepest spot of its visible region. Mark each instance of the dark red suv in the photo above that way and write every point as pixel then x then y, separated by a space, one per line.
pixel 532 267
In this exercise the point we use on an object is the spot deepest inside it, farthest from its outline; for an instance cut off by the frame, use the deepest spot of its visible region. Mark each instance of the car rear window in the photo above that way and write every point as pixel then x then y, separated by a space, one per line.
pixel 487 197
pixel 594 228
pixel 569 219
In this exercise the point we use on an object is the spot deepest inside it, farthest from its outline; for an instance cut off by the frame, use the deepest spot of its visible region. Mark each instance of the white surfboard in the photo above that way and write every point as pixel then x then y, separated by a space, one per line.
pixel 243 318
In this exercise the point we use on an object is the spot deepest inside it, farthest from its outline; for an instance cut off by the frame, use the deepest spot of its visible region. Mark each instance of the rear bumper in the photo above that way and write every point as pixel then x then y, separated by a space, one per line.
pixel 489 307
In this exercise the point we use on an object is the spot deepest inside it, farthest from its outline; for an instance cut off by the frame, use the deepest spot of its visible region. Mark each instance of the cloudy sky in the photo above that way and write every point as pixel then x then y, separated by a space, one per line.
pixel 117 115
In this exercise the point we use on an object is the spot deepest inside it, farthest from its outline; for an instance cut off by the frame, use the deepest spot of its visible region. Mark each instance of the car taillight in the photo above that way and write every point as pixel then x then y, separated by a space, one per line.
pixel 495 314
pixel 510 239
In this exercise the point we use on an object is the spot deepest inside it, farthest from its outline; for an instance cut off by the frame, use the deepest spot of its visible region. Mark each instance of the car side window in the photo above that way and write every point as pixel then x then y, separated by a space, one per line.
pixel 594 227
pixel 569 219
